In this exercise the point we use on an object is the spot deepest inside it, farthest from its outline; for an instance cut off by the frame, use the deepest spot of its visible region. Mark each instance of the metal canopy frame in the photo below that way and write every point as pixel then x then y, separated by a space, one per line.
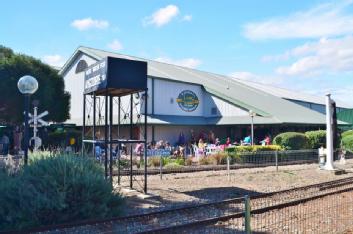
pixel 108 139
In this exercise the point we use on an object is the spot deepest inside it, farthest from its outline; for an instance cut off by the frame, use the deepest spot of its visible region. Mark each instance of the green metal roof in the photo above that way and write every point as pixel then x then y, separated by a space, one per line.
pixel 272 108
pixel 346 116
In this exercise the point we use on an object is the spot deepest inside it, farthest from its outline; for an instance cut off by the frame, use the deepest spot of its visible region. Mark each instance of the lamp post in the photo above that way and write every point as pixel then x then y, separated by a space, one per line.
pixel 27 85
pixel 252 114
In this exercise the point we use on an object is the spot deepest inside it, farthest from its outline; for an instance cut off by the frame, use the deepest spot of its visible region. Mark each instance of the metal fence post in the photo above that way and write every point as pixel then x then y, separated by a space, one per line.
pixel 228 167
pixel 276 157
pixel 247 214
pixel 161 166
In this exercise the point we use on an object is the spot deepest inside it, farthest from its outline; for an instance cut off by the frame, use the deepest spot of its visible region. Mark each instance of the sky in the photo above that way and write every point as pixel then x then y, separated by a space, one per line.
pixel 305 46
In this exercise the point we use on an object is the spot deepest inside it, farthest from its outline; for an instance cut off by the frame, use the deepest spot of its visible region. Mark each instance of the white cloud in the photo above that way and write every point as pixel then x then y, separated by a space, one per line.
pixel 325 55
pixel 263 79
pixel 321 21
pixel 186 62
pixel 89 23
pixel 115 45
pixel 54 60
pixel 187 18
pixel 342 95
pixel 162 16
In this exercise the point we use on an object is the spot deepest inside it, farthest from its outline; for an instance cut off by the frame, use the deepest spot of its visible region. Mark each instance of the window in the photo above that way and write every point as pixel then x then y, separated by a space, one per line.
pixel 81 66
pixel 214 111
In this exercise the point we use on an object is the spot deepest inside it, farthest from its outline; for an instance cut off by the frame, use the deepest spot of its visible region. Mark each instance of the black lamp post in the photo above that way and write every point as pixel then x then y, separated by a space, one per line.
pixel 27 85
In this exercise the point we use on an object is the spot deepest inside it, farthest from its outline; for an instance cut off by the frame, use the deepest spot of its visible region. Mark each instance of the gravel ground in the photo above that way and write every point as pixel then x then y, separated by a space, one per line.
pixel 176 190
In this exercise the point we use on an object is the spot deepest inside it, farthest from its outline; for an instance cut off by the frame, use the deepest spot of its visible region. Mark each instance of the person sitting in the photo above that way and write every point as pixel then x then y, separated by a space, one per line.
pixel 266 141
pixel 246 141
pixel 228 142
pixel 139 149
pixel 217 142
pixel 201 144
pixel 98 151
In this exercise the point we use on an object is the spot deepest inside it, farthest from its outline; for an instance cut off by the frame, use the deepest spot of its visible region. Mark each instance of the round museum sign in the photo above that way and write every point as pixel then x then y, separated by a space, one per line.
pixel 188 101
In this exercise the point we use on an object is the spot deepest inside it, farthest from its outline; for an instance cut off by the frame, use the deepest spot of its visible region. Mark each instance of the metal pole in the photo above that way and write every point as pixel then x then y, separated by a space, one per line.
pixel 247 214
pixel 83 125
pixel 145 146
pixel 131 119
pixel 329 135
pixel 110 138
pixel 119 144
pixel 35 124
pixel 106 135
pixel 276 157
pixel 252 130
pixel 26 129
pixel 228 167
pixel 94 125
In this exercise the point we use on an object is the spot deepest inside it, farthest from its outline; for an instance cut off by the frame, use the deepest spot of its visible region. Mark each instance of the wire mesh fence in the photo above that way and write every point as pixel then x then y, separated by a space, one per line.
pixel 163 165
pixel 318 214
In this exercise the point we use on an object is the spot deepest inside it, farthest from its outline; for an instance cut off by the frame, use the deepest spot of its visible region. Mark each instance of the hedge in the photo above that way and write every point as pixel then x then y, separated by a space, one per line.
pixel 316 139
pixel 250 148
pixel 347 143
pixel 347 133
pixel 291 140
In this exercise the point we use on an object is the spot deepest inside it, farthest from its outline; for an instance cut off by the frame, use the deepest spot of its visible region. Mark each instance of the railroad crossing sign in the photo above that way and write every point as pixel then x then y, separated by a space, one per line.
pixel 35 119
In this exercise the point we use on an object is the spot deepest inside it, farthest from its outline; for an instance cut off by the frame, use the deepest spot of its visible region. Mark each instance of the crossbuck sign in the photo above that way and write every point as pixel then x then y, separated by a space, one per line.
pixel 35 119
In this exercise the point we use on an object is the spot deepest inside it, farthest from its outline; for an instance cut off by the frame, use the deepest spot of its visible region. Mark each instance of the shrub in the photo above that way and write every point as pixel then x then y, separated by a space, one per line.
pixel 347 143
pixel 154 161
pixel 347 133
pixel 291 140
pixel 209 160
pixel 173 165
pixel 316 139
pixel 188 162
pixel 55 190
pixel 221 158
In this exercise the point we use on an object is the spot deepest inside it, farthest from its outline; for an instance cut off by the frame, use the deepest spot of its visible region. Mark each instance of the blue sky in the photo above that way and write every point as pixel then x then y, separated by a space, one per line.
pixel 301 45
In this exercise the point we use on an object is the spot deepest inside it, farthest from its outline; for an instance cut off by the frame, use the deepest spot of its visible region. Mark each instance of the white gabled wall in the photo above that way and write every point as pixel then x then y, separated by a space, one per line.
pixel 166 94
pixel 74 85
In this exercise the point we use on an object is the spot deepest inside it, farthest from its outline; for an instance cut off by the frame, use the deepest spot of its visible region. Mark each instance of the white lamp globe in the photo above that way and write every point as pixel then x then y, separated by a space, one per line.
pixel 27 85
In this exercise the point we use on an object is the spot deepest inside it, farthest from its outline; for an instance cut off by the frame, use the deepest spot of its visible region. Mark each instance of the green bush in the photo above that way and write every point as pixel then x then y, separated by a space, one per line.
pixel 254 148
pixel 316 139
pixel 347 143
pixel 173 165
pixel 56 190
pixel 347 133
pixel 291 140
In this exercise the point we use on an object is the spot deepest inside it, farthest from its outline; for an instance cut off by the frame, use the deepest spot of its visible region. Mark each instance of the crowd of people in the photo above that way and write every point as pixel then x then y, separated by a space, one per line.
pixel 185 146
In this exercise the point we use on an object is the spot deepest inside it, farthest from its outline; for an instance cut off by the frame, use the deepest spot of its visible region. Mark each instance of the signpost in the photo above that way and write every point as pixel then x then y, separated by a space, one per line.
pixel 35 119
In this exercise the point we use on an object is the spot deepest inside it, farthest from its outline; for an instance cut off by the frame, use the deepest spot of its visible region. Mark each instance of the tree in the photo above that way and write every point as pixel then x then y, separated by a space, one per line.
pixel 51 93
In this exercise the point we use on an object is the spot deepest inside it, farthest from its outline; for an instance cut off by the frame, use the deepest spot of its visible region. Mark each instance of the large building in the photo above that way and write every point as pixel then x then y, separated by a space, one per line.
pixel 181 99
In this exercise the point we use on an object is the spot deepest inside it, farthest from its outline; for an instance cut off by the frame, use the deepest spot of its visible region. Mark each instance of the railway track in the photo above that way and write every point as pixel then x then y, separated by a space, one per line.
pixel 202 214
